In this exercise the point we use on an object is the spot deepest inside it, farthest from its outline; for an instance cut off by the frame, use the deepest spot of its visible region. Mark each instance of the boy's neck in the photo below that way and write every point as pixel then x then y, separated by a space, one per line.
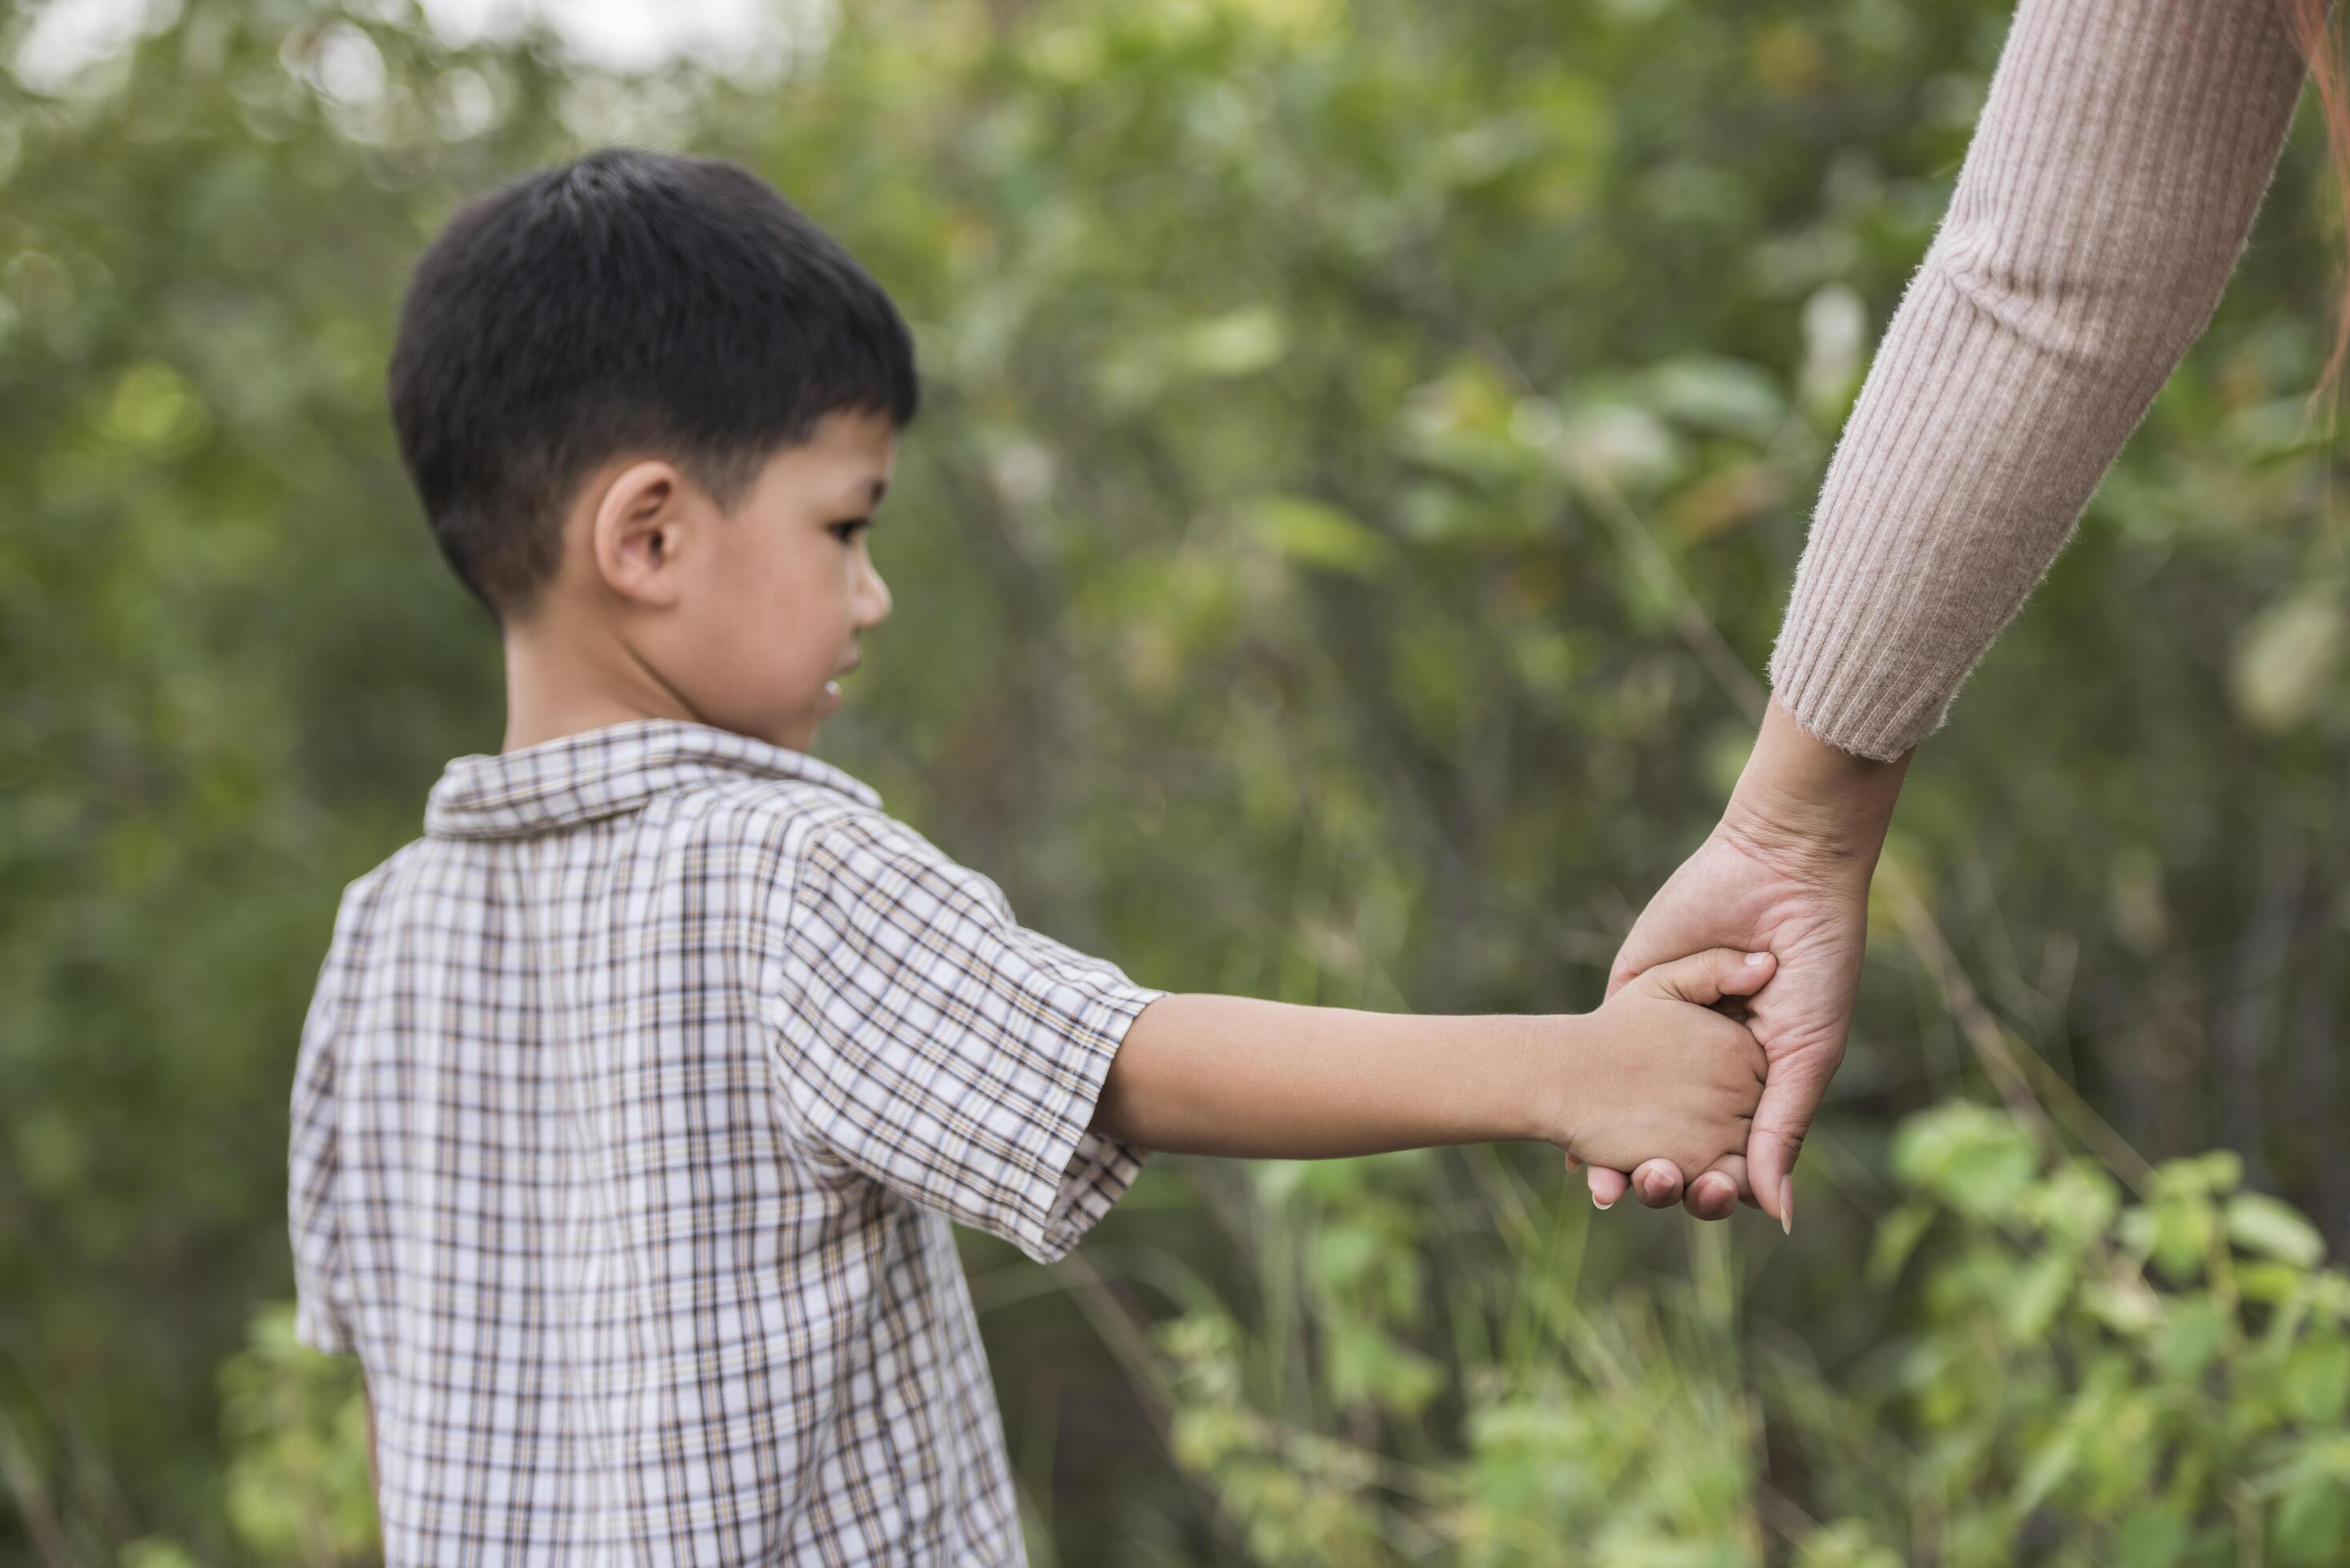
pixel 562 680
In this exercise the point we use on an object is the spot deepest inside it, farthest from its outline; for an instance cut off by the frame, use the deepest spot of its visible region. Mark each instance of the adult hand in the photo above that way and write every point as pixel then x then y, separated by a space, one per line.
pixel 1786 872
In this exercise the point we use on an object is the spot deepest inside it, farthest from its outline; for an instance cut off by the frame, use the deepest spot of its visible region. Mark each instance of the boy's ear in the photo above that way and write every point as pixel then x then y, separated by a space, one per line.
pixel 641 527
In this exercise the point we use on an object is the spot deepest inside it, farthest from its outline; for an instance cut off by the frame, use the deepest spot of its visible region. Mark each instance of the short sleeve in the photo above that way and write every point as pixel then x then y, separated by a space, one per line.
pixel 321 1286
pixel 926 1038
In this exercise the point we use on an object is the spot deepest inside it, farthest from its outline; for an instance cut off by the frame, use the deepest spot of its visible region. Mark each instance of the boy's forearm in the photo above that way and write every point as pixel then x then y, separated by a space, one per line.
pixel 1267 1080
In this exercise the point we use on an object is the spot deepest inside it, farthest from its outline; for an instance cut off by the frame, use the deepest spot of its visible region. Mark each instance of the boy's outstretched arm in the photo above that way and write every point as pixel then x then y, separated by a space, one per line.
pixel 1268 1080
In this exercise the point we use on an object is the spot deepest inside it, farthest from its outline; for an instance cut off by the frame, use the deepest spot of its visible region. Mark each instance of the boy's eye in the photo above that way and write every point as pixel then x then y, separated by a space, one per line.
pixel 845 532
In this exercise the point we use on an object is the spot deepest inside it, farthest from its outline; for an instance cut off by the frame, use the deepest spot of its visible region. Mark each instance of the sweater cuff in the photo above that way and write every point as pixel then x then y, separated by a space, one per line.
pixel 1866 699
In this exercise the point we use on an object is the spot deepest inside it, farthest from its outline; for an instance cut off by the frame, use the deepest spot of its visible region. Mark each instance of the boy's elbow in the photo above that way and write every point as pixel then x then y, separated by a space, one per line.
pixel 1109 1119
pixel 1122 1088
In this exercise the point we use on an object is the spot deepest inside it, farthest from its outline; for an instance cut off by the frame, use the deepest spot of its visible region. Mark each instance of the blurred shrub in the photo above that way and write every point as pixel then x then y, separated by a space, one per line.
pixel 296 1427
pixel 2073 1380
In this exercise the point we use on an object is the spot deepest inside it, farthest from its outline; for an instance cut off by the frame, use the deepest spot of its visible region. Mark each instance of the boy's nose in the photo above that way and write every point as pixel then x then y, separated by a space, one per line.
pixel 872 603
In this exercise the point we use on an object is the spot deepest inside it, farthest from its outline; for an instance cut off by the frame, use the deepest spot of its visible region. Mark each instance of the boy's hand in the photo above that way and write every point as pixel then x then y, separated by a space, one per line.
pixel 1788 869
pixel 1657 1073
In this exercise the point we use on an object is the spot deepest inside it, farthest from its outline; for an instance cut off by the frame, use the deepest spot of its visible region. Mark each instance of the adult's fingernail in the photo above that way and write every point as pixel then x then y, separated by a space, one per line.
pixel 1603 1207
pixel 1787 1204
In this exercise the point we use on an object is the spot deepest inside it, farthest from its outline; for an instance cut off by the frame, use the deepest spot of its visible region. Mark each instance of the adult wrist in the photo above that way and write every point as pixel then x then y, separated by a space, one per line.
pixel 1808 808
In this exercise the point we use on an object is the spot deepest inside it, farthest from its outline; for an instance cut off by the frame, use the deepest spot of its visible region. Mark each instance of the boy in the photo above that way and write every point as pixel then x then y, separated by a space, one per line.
pixel 636 1095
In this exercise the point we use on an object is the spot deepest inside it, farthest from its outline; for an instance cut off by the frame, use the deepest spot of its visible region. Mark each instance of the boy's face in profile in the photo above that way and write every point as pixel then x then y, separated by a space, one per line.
pixel 760 609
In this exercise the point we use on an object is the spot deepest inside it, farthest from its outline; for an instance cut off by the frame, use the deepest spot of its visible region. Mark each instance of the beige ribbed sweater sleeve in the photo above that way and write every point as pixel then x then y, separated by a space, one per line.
pixel 2122 153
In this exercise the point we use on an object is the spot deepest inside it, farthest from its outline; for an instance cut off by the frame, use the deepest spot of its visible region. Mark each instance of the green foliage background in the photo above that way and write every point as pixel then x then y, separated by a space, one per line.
pixel 1369 444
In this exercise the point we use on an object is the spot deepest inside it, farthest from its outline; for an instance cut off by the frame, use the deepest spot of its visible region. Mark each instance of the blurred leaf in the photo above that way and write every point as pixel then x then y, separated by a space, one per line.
pixel 298 1486
pixel 1718 394
pixel 1978 1160
pixel 155 1551
pixel 1620 442
pixel 1237 343
pixel 1724 499
pixel 2319 1382
pixel 2149 1538
pixel 2287 657
pixel 2312 1521
pixel 2191 1339
pixel 1897 1236
pixel 1313 534
pixel 2259 1223
pixel 2183 1233
pixel 2216 1170
pixel 2042 1289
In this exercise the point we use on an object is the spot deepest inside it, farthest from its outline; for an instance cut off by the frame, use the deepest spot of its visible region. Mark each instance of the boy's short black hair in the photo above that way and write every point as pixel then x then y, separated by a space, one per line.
pixel 624 301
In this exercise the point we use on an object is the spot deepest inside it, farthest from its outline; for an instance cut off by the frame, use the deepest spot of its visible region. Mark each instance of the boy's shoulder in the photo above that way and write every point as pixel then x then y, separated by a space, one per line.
pixel 682 800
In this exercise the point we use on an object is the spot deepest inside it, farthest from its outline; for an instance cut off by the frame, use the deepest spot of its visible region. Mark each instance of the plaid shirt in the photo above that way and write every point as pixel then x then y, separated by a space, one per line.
pixel 630 1113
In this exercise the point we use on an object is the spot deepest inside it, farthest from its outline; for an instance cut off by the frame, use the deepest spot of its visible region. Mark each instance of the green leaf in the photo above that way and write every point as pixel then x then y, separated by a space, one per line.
pixel 2191 1339
pixel 2269 1282
pixel 2313 1521
pixel 155 1551
pixel 1344 1253
pixel 2131 1310
pixel 1897 1235
pixel 1315 534
pixel 2077 1201
pixel 1365 1362
pixel 1978 1160
pixel 2273 1228
pixel 1237 343
pixel 1844 1544
pixel 2319 1383
pixel 1715 393
pixel 2149 1538
pixel 2184 1229
pixel 1621 443
pixel 2041 1289
pixel 155 413
pixel 2214 1171
pixel 2049 1465
pixel 2287 659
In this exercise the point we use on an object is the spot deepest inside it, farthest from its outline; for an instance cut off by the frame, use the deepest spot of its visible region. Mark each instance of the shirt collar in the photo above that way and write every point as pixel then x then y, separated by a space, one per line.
pixel 602 773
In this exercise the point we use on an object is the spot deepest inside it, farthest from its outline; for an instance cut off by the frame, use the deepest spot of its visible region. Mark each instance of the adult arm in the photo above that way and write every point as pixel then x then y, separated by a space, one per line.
pixel 2122 154
pixel 2106 196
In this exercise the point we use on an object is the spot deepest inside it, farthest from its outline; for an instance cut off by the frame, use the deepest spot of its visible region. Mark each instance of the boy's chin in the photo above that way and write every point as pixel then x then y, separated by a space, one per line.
pixel 794 730
pixel 799 732
pixel 796 736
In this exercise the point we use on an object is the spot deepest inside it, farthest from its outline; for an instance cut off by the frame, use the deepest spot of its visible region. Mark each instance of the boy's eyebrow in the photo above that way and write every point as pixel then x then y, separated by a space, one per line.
pixel 875 488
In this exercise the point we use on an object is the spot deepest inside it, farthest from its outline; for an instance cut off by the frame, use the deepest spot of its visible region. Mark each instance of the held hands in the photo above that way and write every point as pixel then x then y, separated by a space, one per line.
pixel 1657 1073
pixel 1732 890
pixel 1787 871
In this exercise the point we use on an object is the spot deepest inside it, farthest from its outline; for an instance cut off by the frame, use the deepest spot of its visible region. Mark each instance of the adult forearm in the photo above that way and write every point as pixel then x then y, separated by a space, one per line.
pixel 1267 1080
pixel 2107 193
